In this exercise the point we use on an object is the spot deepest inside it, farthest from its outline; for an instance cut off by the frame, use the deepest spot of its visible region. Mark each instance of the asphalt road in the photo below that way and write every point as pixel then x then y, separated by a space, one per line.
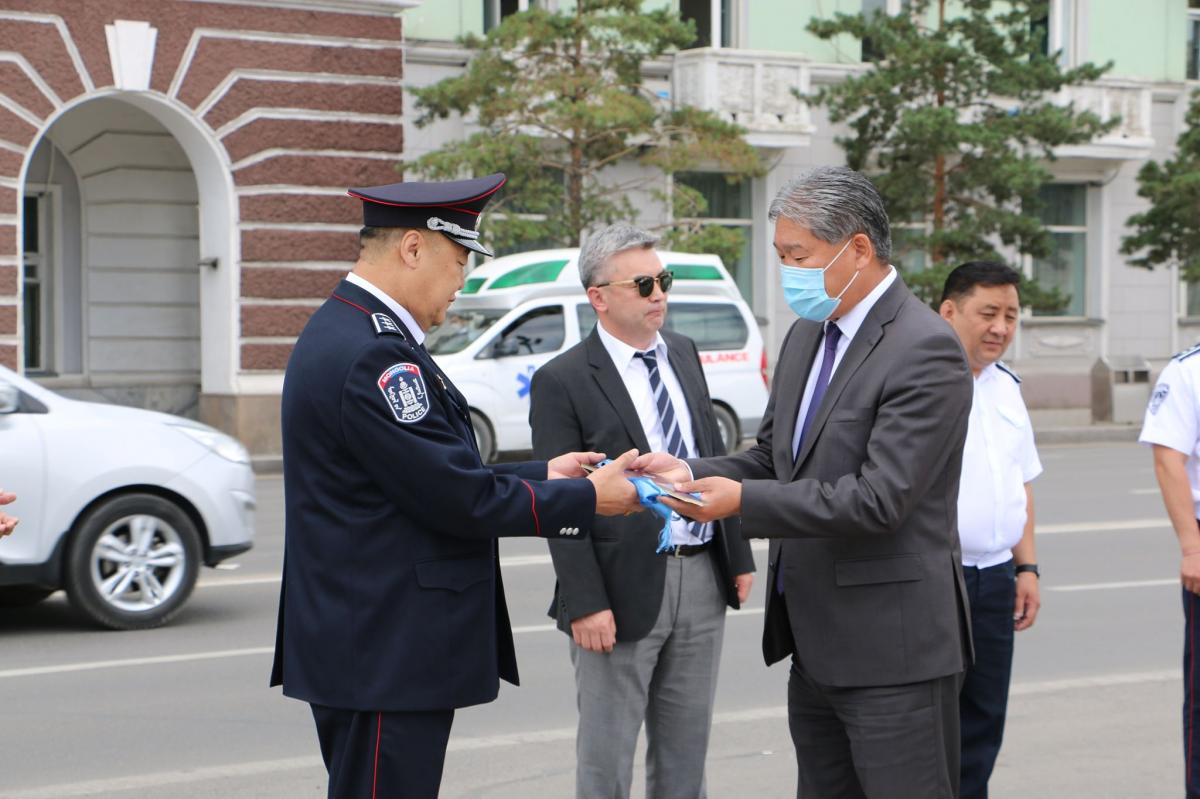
pixel 185 711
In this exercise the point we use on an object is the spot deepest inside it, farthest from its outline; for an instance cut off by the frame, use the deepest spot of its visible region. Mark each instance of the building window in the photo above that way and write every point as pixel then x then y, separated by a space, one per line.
pixel 1054 31
pixel 1193 41
pixel 716 21
pixel 729 206
pixel 36 281
pixel 494 11
pixel 871 7
pixel 1064 214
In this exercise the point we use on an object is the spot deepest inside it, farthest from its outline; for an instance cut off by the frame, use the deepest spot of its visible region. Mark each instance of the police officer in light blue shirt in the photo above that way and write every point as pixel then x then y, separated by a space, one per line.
pixel 995 508
pixel 1172 427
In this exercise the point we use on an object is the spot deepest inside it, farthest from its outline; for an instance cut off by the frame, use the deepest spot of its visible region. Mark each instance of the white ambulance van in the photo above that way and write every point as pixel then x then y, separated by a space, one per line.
pixel 517 312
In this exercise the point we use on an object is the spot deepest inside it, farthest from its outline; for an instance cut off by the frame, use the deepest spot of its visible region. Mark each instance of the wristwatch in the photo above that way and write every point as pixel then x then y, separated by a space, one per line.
pixel 1028 567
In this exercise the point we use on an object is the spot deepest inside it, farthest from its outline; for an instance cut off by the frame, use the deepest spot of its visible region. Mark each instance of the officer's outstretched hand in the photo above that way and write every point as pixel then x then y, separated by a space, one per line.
pixel 615 494
pixel 571 464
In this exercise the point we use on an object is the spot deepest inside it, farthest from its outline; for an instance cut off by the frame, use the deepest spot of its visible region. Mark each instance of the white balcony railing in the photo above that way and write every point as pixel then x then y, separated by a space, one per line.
pixel 752 88
pixel 1107 99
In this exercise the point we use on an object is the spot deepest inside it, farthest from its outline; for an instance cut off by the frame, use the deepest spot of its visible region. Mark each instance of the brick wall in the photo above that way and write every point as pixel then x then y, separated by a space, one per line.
pixel 304 102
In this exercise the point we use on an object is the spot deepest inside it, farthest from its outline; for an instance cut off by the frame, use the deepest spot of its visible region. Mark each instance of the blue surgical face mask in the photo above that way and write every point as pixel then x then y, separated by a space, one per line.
pixel 804 289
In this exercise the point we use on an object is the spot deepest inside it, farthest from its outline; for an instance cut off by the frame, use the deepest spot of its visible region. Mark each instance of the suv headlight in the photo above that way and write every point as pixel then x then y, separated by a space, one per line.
pixel 227 447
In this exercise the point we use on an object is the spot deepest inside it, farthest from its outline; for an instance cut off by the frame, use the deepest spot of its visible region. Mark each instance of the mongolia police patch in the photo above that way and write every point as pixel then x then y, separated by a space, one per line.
pixel 404 389
pixel 1158 397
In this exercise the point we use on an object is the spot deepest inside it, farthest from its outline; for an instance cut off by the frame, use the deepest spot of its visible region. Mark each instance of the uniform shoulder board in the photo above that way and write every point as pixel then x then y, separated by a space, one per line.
pixel 386 326
pixel 1183 356
pixel 1008 370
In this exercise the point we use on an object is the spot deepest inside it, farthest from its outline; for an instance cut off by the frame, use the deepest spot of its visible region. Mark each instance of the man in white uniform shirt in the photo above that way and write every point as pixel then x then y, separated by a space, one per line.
pixel 1172 426
pixel 646 627
pixel 995 508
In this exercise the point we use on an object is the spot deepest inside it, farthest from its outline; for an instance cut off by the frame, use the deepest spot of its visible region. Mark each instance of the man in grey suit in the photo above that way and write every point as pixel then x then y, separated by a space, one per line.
pixel 646 628
pixel 855 479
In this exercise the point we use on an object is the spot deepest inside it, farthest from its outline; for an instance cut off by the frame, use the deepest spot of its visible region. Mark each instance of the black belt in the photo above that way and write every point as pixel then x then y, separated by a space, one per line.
pixel 685 550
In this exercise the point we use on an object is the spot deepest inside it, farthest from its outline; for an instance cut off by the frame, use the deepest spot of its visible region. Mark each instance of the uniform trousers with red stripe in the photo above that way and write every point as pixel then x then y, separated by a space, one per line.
pixel 372 755
pixel 1191 693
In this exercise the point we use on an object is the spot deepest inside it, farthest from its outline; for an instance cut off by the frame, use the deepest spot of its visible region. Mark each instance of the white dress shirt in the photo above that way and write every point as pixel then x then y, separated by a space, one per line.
pixel 399 310
pixel 636 376
pixel 1172 415
pixel 999 458
pixel 849 324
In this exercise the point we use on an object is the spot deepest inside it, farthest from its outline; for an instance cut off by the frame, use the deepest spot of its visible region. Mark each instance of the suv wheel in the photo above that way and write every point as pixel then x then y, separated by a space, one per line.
pixel 133 562
pixel 484 438
pixel 727 424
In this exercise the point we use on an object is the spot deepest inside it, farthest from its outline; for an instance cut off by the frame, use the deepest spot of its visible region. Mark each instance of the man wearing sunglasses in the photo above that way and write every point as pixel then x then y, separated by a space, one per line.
pixel 645 627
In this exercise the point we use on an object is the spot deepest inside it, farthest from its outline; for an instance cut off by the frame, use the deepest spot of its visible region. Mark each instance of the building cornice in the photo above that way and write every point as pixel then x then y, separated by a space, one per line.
pixel 373 7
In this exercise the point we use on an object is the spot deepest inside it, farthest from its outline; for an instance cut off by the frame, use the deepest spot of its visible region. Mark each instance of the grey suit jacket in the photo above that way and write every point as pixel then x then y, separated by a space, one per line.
pixel 578 402
pixel 864 520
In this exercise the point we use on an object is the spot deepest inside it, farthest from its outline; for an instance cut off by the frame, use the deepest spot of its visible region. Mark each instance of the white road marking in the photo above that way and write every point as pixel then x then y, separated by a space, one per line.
pixel 1113 586
pixel 1104 527
pixel 235 771
pixel 758 545
pixel 91 665
pixel 1143 491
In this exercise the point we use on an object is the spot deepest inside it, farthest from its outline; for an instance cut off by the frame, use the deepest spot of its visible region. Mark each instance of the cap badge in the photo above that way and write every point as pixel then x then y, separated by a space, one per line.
pixel 443 226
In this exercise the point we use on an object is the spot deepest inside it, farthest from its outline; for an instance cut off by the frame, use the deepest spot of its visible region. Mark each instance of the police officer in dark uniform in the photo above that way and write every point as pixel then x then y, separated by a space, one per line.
pixel 392 611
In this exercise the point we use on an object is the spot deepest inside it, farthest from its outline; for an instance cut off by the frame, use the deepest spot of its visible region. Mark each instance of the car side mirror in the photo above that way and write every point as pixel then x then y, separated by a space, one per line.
pixel 10 399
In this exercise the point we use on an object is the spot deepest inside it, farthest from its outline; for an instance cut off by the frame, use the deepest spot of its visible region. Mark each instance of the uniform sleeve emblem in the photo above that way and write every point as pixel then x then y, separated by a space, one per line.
pixel 403 388
pixel 1159 397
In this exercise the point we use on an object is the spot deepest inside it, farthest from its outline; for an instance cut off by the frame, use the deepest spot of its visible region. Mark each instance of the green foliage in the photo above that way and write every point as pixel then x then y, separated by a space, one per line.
pixel 1169 231
pixel 691 235
pixel 955 122
pixel 559 101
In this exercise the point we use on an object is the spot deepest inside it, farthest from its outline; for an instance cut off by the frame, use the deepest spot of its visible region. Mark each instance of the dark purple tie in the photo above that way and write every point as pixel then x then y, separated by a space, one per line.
pixel 833 335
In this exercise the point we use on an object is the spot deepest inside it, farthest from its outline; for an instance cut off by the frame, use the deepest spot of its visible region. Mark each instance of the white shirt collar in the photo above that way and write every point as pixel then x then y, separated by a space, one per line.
pixel 399 310
pixel 621 353
pixel 852 320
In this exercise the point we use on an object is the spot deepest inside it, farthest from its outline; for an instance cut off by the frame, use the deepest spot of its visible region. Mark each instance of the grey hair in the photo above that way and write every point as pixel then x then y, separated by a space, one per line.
pixel 607 242
pixel 834 203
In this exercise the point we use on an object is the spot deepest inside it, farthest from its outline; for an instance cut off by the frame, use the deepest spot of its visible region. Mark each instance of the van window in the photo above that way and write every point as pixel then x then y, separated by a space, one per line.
pixel 587 319
pixel 539 331
pixel 459 330
pixel 712 325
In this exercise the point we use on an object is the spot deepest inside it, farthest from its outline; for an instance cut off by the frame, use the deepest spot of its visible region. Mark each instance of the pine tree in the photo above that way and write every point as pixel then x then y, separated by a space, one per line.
pixel 1168 232
pixel 954 120
pixel 560 103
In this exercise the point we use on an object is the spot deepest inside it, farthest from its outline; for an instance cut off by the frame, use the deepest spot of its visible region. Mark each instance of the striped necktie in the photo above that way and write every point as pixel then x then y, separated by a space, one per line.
pixel 672 432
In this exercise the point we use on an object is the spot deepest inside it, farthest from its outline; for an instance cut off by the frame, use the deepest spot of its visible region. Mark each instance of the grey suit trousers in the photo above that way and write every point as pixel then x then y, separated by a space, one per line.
pixel 668 679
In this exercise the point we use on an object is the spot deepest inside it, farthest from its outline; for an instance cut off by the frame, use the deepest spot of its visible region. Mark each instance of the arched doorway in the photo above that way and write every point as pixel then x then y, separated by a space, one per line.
pixel 129 285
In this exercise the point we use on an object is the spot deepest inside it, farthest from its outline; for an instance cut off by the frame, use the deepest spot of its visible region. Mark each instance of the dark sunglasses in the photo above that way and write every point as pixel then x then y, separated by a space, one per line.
pixel 645 283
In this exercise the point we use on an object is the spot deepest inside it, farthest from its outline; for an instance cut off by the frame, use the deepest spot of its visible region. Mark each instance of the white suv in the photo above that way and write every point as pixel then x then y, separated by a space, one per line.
pixel 118 505
pixel 517 312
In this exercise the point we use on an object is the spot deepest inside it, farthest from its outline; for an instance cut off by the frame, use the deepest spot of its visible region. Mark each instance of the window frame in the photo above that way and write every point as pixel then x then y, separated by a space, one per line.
pixel 1083 229
pixel 49 211
pixel 746 223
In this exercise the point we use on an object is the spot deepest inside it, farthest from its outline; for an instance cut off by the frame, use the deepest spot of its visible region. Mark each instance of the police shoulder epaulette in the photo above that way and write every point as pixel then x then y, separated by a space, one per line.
pixel 1183 356
pixel 1003 367
pixel 386 326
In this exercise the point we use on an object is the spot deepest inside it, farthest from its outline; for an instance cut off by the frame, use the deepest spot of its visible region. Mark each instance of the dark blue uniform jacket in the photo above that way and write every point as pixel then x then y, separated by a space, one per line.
pixel 391 596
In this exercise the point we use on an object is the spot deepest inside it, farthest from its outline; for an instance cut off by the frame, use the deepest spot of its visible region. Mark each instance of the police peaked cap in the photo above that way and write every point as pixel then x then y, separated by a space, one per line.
pixel 449 207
